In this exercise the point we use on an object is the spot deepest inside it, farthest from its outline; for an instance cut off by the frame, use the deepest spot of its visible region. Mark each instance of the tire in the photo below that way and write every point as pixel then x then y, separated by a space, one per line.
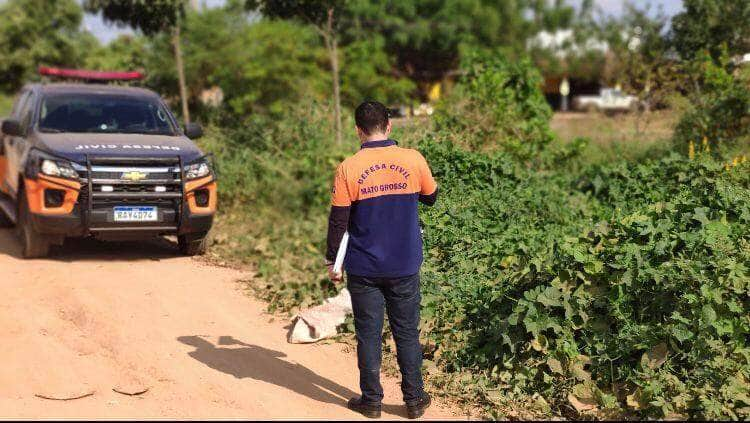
pixel 33 243
pixel 4 221
pixel 192 245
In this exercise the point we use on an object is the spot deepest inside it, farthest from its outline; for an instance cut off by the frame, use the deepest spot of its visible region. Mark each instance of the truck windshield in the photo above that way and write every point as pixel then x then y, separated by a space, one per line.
pixel 99 113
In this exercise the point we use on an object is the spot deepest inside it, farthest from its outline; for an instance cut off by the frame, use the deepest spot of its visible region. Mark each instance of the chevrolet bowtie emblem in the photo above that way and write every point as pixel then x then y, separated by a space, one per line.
pixel 134 176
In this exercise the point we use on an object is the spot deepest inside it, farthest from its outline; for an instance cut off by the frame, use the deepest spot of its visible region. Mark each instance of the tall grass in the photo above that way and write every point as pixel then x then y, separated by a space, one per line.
pixel 275 178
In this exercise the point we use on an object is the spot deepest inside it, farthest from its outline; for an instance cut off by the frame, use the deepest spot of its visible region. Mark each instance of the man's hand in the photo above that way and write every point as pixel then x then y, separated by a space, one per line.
pixel 333 276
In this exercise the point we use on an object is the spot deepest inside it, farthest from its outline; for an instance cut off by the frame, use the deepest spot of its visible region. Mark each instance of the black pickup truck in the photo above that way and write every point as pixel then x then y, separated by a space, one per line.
pixel 108 161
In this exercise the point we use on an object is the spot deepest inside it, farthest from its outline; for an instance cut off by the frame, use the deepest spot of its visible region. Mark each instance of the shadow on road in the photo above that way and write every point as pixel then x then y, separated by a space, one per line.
pixel 254 362
pixel 260 363
pixel 81 249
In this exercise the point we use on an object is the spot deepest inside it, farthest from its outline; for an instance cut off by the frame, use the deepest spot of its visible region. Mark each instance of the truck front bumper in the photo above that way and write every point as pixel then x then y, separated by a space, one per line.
pixel 188 209
pixel 101 222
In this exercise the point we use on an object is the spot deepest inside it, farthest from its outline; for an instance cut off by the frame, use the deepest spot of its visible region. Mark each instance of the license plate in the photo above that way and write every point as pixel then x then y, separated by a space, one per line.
pixel 136 214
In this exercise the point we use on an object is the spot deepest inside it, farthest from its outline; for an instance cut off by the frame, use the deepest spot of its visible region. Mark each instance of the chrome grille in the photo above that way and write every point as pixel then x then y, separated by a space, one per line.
pixel 111 181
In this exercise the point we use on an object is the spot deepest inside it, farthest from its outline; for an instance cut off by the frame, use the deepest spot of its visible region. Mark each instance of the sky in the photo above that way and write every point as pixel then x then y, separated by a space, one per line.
pixel 106 32
pixel 614 7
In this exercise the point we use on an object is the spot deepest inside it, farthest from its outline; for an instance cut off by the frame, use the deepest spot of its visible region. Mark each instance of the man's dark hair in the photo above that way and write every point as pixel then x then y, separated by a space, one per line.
pixel 371 117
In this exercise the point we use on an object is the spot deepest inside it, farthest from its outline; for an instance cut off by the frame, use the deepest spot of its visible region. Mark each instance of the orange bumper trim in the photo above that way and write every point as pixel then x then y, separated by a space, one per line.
pixel 35 194
pixel 207 183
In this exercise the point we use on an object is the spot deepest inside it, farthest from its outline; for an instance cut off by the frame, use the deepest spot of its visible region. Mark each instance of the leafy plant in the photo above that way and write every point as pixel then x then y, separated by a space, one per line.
pixel 601 292
pixel 275 190
pixel 497 105
pixel 721 100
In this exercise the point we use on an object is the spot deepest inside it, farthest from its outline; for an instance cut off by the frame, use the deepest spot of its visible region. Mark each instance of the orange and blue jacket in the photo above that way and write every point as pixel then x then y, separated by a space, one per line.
pixel 375 198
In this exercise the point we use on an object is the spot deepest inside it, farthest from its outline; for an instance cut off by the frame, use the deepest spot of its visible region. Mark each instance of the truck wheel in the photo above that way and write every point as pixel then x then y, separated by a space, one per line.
pixel 34 244
pixel 4 221
pixel 192 246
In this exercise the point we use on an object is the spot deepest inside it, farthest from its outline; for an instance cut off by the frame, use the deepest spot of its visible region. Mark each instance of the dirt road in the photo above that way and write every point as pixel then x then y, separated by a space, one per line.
pixel 133 316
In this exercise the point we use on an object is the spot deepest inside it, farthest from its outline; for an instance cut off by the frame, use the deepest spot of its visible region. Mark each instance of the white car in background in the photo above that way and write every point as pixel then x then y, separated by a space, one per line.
pixel 608 100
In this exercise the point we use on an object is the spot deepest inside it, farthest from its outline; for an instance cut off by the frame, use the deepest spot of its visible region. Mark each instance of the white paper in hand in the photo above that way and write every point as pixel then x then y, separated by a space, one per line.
pixel 341 253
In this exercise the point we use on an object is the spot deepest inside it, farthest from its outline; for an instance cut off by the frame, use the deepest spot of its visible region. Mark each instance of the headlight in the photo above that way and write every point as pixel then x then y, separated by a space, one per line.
pixel 197 170
pixel 58 168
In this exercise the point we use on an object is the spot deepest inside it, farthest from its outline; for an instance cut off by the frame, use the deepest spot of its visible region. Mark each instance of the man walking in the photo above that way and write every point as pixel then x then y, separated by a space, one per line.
pixel 375 196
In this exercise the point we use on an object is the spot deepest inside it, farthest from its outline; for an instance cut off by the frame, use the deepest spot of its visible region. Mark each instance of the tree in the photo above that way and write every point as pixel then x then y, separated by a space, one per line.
pixel 424 38
pixel 324 16
pixel 124 52
pixel 265 66
pixel 719 112
pixel 39 32
pixel 368 74
pixel 270 66
pixel 151 17
pixel 710 24
pixel 497 104
pixel 553 15
pixel 427 37
pixel 212 40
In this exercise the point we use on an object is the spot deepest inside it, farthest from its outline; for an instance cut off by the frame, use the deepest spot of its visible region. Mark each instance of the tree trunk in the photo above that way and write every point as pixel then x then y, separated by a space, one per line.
pixel 332 47
pixel 180 73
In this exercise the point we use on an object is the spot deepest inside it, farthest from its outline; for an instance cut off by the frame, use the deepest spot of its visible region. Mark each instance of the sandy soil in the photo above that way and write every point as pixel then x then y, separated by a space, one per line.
pixel 136 316
pixel 620 128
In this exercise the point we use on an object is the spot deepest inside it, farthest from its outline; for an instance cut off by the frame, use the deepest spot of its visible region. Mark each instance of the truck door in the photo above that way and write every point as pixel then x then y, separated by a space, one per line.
pixel 14 146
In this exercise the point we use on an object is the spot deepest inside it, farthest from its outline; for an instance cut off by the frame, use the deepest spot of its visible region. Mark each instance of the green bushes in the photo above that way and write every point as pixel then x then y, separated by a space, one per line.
pixel 497 105
pixel 623 290
pixel 286 162
pixel 720 109
pixel 275 178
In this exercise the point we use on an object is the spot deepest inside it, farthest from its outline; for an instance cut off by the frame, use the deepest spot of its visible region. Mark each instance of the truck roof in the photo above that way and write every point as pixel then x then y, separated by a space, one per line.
pixel 78 88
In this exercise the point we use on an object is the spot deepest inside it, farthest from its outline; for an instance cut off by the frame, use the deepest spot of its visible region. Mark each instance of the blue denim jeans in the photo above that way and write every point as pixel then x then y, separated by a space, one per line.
pixel 401 298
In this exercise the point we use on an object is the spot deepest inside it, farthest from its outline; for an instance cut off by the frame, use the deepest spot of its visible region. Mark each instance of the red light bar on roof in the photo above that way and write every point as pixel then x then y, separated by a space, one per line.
pixel 90 74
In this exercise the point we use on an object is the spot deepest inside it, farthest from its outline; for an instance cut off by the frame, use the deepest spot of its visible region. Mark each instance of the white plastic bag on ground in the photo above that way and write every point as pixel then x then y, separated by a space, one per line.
pixel 321 321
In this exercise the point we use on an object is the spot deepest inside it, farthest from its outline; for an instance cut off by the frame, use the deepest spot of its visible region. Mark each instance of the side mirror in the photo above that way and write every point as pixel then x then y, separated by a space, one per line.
pixel 193 131
pixel 11 127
